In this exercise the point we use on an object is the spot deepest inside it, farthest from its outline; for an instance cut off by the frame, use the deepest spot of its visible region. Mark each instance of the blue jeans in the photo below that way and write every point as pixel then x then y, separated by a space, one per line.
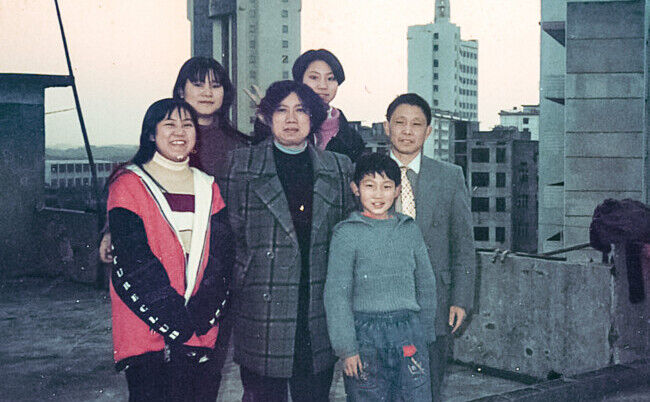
pixel 394 356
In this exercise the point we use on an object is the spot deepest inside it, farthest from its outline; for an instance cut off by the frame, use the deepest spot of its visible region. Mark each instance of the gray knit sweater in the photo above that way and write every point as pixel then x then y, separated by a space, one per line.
pixel 376 266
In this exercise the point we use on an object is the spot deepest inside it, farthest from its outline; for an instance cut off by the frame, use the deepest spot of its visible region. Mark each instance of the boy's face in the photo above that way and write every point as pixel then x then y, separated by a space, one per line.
pixel 377 193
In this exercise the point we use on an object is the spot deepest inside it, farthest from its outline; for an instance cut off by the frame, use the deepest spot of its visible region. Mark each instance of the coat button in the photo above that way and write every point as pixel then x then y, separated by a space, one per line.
pixel 266 297
pixel 270 254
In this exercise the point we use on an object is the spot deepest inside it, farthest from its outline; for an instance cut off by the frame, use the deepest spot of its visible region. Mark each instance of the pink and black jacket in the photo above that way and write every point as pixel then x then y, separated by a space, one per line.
pixel 160 293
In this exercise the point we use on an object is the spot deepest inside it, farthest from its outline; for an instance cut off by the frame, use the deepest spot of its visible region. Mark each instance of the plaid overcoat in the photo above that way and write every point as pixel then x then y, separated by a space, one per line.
pixel 267 267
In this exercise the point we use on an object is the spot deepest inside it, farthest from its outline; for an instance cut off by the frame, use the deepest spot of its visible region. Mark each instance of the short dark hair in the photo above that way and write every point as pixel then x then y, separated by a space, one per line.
pixel 312 103
pixel 372 163
pixel 304 60
pixel 196 69
pixel 410 99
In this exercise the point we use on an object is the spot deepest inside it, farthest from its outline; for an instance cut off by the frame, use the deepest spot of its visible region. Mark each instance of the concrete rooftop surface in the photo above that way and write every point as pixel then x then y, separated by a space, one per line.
pixel 56 345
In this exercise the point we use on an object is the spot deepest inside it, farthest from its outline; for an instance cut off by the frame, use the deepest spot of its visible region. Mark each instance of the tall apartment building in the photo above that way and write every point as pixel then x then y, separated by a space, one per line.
pixel 593 113
pixel 443 68
pixel 256 40
pixel 525 118
pixel 502 178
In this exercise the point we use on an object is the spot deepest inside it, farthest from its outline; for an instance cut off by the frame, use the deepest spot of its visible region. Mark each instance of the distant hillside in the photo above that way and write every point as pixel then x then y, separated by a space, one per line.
pixel 114 153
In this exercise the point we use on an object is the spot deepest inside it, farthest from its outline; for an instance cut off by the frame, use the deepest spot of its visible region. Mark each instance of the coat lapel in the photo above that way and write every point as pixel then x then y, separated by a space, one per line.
pixel 325 191
pixel 268 188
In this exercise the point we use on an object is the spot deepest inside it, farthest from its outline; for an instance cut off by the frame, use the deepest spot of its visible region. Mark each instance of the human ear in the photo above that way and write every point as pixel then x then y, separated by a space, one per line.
pixel 355 188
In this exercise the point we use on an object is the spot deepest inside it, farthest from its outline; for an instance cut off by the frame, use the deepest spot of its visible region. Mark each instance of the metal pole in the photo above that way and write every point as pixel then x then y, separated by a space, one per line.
pixel 91 161
pixel 566 249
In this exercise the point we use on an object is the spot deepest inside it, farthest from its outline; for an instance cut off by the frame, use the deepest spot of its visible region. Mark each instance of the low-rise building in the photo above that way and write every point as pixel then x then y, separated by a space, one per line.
pixel 501 171
pixel 525 118
pixel 75 173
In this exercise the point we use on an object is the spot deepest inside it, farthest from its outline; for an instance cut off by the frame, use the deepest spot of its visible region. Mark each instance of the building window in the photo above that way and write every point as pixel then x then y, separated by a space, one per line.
pixel 501 179
pixel 86 167
pixel 525 120
pixel 77 182
pixel 285 44
pixel 501 155
pixel 435 62
pixel 480 179
pixel 70 182
pixel 252 44
pixel 61 182
pixel 501 204
pixel 435 102
pixel 435 76
pixel 500 234
pixel 252 59
pixel 481 233
pixel 285 28
pixel 285 59
pixel 53 169
pixel 251 29
pixel 435 88
pixel 86 181
pixel 77 168
pixel 107 166
pixel 480 204
pixel 252 74
pixel 435 35
pixel 481 155
pixel 522 201
pixel 285 75
pixel 285 13
pixel 523 172
pixel 461 147
pixel 435 48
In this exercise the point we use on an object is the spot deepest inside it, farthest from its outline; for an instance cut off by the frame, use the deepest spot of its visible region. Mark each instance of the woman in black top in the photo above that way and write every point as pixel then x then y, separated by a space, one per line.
pixel 323 73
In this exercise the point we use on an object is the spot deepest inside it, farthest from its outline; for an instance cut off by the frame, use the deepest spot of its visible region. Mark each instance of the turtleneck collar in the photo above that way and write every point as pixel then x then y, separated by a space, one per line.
pixel 169 164
pixel 290 151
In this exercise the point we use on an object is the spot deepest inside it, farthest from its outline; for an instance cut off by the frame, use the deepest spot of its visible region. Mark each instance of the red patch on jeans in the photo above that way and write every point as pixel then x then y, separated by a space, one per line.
pixel 409 350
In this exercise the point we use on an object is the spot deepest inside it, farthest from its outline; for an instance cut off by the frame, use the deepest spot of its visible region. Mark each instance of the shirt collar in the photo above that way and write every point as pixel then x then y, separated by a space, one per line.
pixel 414 165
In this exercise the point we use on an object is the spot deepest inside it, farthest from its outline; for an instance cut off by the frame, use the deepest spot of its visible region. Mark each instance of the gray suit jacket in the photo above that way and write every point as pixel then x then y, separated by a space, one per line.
pixel 445 219
pixel 267 265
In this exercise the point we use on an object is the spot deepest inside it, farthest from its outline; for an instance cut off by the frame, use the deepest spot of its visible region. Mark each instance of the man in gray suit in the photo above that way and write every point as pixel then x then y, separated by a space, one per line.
pixel 435 194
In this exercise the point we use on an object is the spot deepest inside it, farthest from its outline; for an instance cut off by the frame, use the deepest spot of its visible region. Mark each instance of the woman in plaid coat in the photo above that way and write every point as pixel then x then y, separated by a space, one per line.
pixel 284 197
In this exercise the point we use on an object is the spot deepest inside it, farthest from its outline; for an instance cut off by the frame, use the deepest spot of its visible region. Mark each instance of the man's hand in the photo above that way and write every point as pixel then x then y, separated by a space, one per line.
pixel 352 366
pixel 456 317
pixel 106 249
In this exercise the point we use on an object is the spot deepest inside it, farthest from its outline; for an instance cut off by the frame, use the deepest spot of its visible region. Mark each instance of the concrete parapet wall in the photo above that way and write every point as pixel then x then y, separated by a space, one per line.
pixel 535 316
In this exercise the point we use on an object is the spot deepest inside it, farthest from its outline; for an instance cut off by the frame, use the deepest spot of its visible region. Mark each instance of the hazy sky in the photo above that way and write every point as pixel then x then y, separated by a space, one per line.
pixel 126 54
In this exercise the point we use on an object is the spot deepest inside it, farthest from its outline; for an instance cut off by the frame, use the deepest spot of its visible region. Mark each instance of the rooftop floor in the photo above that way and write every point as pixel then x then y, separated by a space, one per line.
pixel 57 346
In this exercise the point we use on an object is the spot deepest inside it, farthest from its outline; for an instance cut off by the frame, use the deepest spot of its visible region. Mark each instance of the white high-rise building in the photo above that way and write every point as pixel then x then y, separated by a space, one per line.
pixel 443 68
pixel 256 40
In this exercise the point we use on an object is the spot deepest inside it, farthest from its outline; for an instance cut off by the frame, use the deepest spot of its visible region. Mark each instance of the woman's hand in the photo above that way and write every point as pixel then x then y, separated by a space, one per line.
pixel 106 249
pixel 352 366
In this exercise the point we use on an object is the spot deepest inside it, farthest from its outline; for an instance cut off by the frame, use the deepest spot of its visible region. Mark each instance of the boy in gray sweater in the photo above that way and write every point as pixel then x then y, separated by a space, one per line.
pixel 380 292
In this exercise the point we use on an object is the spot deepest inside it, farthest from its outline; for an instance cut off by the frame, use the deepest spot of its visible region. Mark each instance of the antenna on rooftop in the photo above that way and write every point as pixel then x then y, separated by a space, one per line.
pixel 91 161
